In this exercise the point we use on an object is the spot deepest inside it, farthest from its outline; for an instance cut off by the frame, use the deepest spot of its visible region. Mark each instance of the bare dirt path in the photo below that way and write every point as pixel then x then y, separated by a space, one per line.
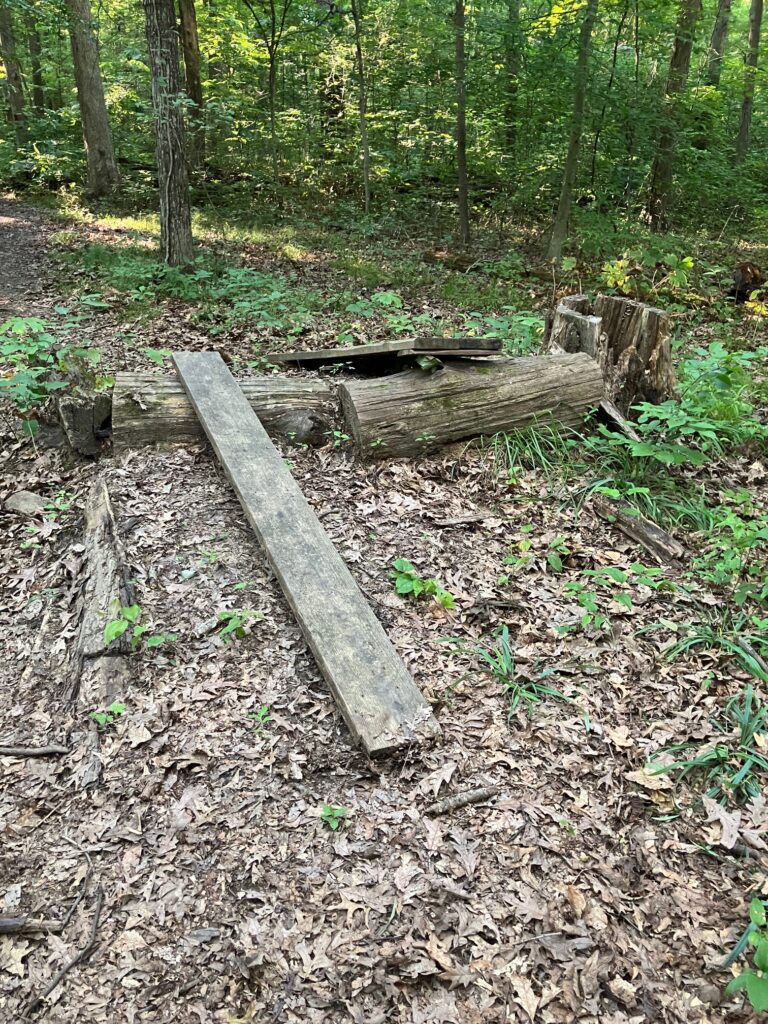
pixel 198 862
pixel 23 247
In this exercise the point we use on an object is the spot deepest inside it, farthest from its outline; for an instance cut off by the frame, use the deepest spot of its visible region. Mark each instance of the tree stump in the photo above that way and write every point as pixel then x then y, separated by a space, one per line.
pixel 628 339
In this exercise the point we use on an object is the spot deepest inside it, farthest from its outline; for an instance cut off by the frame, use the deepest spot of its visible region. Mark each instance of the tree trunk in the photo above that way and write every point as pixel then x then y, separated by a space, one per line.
pixel 560 227
pixel 459 20
pixel 512 45
pixel 101 165
pixel 13 85
pixel 611 79
pixel 35 45
pixel 413 413
pixel 662 172
pixel 191 47
pixel 362 103
pixel 717 43
pixel 753 49
pixel 175 209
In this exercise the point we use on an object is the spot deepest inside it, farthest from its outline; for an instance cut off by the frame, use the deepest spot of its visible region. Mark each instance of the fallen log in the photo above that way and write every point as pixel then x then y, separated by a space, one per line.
pixel 413 413
pixel 628 339
pixel 657 542
pixel 150 409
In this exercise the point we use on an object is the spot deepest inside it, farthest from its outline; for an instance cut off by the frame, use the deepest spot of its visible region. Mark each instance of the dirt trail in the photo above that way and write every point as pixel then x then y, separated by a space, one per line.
pixel 225 896
pixel 23 247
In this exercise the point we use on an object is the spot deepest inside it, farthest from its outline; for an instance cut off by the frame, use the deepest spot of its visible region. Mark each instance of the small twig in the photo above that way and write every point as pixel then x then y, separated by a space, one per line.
pixel 79 957
pixel 469 796
pixel 28 926
pixel 53 748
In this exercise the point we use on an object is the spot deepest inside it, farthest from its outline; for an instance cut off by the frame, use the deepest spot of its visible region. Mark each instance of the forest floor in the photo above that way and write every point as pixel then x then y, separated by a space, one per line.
pixel 200 861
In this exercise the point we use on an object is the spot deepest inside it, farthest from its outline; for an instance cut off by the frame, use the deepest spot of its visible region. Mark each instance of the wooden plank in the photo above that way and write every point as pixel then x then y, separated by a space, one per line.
pixel 380 350
pixel 376 695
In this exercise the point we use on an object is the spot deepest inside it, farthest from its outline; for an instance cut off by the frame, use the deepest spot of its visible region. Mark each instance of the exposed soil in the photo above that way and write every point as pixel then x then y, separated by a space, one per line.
pixel 226 898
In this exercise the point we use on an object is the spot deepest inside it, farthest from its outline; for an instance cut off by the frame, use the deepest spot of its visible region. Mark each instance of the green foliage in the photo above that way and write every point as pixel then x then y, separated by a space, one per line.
pixel 106 718
pixel 261 717
pixel 40 366
pixel 498 661
pixel 127 620
pixel 334 817
pixel 755 982
pixel 733 768
pixel 409 583
pixel 234 621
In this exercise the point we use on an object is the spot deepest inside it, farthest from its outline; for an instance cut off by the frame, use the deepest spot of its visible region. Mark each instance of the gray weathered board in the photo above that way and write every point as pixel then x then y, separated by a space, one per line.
pixel 379 351
pixel 376 695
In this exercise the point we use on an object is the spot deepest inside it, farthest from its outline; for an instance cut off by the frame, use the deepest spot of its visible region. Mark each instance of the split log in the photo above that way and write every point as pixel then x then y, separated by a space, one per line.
pixel 380 353
pixel 413 413
pixel 628 339
pixel 150 409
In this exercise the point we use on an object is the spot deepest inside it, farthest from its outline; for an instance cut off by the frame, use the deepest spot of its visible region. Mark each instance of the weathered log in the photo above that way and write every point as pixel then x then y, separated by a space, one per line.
pixel 150 409
pixel 413 413
pixel 657 542
pixel 628 339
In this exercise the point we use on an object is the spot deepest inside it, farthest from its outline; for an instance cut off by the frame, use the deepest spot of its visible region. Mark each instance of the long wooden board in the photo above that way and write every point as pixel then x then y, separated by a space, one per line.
pixel 376 695
pixel 379 351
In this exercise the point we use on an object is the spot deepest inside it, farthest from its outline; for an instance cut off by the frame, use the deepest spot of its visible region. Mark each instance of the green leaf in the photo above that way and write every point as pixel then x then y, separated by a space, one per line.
pixel 757 913
pixel 403 565
pixel 623 599
pixel 404 585
pixel 114 629
pixel 761 954
pixel 756 989
pixel 555 561
pixel 131 613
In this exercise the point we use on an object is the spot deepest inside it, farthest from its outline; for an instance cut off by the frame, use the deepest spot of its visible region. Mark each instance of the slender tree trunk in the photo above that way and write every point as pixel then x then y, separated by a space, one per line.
pixel 662 172
pixel 560 227
pixel 362 102
pixel 175 209
pixel 718 41
pixel 272 90
pixel 35 45
pixel 191 48
pixel 753 49
pixel 103 175
pixel 459 21
pixel 601 120
pixel 13 85
pixel 512 46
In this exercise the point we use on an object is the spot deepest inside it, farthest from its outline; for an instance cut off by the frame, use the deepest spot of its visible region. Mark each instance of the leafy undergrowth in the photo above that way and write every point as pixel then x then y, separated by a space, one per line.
pixel 254 863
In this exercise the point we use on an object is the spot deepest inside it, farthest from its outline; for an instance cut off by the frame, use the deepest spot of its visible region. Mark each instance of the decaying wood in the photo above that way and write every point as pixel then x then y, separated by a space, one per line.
pixel 413 413
pixel 384 351
pixel 375 693
pixel 152 409
pixel 51 750
pixel 629 340
pixel 458 800
pixel 656 541
pixel 28 926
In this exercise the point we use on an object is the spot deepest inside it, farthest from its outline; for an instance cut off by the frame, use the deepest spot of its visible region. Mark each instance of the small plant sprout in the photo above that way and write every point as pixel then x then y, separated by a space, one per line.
pixel 261 717
pixel 754 982
pixel 104 719
pixel 233 622
pixel 409 583
pixel 337 437
pixel 333 816
pixel 127 619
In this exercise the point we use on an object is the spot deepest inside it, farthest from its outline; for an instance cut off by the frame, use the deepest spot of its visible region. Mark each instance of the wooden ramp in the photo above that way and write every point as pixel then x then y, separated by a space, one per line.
pixel 376 695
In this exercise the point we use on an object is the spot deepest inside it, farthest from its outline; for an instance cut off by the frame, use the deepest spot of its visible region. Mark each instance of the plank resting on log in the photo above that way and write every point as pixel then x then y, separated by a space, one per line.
pixel 383 351
pixel 413 413
pixel 374 691
pixel 153 409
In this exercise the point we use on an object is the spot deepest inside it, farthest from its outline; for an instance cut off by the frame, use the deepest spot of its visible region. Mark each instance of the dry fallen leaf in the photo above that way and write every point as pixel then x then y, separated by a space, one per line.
pixel 623 991
pixel 576 899
pixel 648 780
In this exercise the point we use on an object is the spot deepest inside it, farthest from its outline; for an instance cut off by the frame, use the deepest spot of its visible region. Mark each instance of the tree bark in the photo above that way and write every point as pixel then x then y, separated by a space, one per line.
pixel 750 72
pixel 459 21
pixel 35 46
pixel 362 103
pixel 662 172
pixel 175 209
pixel 413 413
pixel 101 166
pixel 560 227
pixel 717 43
pixel 512 46
pixel 191 48
pixel 13 83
